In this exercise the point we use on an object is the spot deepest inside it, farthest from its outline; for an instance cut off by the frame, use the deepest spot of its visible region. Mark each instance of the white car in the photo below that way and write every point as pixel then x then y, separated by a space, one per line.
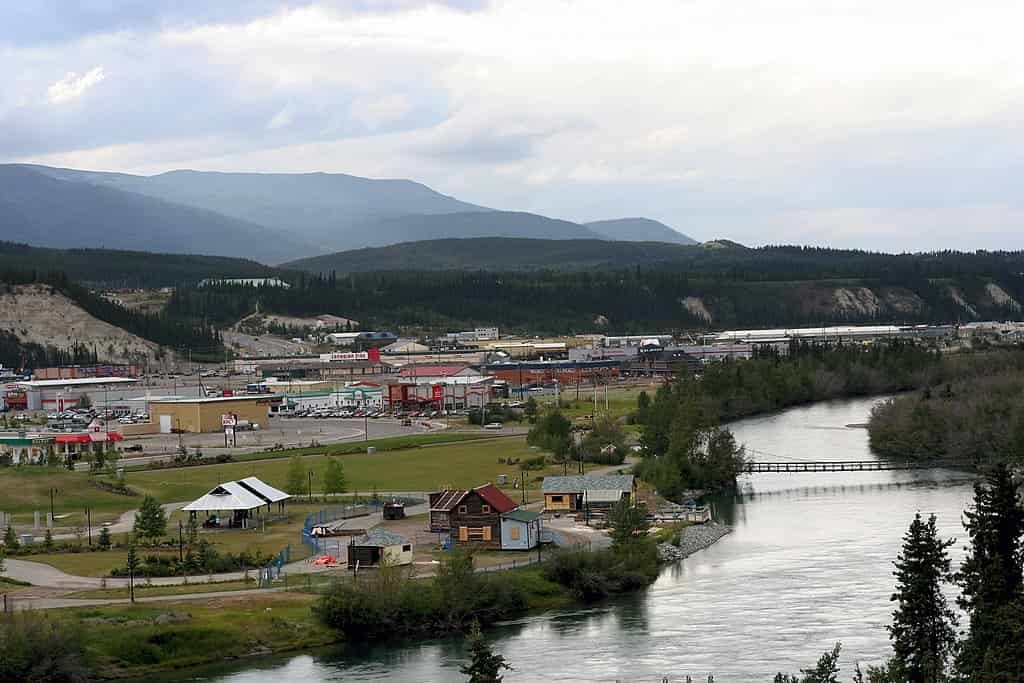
pixel 493 425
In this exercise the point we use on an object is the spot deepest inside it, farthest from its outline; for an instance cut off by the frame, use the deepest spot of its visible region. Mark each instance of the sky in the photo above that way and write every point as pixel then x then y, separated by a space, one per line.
pixel 873 124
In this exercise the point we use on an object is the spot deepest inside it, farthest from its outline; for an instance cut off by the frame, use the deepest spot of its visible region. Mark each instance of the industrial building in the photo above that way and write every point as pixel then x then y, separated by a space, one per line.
pixel 199 415
pixel 57 394
pixel 448 393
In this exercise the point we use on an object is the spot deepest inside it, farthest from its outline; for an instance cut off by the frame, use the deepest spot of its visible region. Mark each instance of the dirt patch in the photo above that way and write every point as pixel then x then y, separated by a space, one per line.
pixel 1000 297
pixel 856 300
pixel 902 300
pixel 695 307
pixel 39 314
pixel 957 296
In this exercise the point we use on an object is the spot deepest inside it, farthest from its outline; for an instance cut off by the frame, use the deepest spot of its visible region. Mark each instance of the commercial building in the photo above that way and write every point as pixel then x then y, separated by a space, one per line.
pixel 477 335
pixel 58 394
pixel 435 372
pixel 206 414
pixel 449 393
pixel 524 373
pixel 347 365
pixel 86 371
pixel 25 448
pixel 405 346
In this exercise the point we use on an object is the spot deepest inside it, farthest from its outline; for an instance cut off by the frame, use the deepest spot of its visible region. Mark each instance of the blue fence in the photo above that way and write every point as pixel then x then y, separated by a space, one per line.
pixel 272 571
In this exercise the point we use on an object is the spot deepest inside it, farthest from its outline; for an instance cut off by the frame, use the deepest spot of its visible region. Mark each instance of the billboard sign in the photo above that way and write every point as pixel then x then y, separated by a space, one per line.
pixel 341 356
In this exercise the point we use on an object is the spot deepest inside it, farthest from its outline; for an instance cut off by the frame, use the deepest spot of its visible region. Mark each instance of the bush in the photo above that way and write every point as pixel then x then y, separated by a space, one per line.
pixel 595 575
pixel 37 648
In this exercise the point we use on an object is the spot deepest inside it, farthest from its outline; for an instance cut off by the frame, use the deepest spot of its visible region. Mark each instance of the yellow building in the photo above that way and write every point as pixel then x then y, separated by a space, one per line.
pixel 206 414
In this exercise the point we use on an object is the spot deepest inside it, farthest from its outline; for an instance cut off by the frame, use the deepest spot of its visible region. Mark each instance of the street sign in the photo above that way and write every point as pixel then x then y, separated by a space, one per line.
pixel 228 420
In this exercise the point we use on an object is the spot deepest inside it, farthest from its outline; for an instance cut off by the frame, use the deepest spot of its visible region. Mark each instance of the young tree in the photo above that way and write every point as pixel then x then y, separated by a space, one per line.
pixel 991 578
pixel 628 525
pixel 923 630
pixel 132 563
pixel 553 433
pixel 2 555
pixel 295 482
pixel 104 540
pixel 150 520
pixel 530 409
pixel 334 477
pixel 11 539
pixel 48 540
pixel 643 408
pixel 84 401
pixel 484 665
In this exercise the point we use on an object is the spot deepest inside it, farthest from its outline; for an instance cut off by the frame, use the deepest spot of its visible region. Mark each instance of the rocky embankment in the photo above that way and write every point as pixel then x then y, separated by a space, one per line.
pixel 692 539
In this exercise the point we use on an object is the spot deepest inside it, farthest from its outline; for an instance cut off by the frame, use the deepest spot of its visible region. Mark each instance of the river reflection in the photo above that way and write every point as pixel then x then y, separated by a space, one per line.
pixel 808 563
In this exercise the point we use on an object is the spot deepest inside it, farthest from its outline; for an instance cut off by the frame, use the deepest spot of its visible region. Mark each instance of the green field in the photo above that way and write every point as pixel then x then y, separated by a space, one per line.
pixel 24 489
pixel 419 469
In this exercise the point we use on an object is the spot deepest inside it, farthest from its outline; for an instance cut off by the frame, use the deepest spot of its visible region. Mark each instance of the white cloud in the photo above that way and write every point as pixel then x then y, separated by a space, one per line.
pixel 281 119
pixel 375 111
pixel 73 86
pixel 789 114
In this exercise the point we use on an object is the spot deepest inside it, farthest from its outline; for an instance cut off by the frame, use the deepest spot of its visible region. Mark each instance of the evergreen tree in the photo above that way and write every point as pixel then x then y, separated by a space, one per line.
pixel 132 564
pixel 295 482
pixel 104 540
pixel 923 631
pixel 991 579
pixel 150 520
pixel 530 409
pixel 484 665
pixel 334 477
pixel 11 539
pixel 48 540
pixel 826 671
pixel 628 525
pixel 553 433
pixel 2 555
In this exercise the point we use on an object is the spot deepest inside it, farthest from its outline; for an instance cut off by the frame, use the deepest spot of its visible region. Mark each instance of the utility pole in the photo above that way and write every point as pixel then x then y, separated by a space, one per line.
pixel 311 486
pixel 181 542
pixel 88 524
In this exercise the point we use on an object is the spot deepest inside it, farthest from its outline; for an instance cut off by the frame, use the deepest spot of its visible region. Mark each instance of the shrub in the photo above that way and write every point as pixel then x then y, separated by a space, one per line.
pixel 40 648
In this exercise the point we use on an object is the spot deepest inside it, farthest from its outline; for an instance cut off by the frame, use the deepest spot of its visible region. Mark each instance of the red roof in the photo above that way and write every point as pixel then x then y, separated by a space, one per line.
pixel 493 496
pixel 431 370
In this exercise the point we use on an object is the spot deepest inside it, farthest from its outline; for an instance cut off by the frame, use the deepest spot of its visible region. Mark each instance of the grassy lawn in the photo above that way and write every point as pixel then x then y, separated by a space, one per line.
pixel 91 564
pixel 11 586
pixel 621 401
pixel 421 469
pixel 24 489
pixel 472 462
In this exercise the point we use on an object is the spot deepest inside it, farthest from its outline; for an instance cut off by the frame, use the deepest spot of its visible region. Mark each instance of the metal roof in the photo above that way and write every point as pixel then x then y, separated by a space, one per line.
pixel 80 381
pixel 247 494
pixel 521 515
pixel 220 399
pixel 379 536
pixel 228 496
pixel 589 482
pixel 264 490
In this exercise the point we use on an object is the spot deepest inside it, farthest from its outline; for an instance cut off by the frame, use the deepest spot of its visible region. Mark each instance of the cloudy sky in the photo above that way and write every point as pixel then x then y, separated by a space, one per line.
pixel 874 124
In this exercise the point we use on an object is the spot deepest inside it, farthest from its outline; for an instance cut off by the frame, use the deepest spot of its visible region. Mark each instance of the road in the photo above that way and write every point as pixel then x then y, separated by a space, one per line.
pixel 264 345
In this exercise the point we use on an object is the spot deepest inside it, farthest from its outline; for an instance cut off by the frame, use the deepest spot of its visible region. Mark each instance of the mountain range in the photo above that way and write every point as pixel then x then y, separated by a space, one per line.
pixel 270 217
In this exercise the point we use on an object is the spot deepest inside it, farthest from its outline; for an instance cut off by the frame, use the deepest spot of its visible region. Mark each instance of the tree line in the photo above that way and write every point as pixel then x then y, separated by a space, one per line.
pixel 975 417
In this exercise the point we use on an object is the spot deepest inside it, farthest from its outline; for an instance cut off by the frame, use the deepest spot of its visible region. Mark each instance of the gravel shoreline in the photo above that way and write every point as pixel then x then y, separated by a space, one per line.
pixel 693 538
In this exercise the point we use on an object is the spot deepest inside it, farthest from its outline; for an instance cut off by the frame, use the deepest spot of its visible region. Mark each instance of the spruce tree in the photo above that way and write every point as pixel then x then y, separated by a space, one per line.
pixel 48 540
pixel 11 539
pixel 150 520
pixel 923 630
pixel 104 541
pixel 484 666
pixel 991 578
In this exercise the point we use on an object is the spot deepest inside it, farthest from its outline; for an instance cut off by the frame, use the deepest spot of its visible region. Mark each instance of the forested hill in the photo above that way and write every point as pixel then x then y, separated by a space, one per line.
pixel 708 288
pixel 497 253
pixel 110 268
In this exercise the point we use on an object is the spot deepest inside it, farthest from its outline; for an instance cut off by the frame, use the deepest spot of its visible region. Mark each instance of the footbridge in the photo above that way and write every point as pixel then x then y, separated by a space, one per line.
pixel 793 466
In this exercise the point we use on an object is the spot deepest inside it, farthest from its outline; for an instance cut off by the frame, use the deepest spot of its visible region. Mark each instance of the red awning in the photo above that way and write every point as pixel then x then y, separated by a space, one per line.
pixel 89 437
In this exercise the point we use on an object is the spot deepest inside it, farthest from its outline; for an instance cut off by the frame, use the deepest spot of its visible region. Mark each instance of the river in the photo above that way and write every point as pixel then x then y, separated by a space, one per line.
pixel 809 564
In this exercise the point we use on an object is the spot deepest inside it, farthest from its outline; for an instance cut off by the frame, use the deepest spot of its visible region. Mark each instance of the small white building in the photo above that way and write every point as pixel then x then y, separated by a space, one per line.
pixel 379 547
pixel 62 394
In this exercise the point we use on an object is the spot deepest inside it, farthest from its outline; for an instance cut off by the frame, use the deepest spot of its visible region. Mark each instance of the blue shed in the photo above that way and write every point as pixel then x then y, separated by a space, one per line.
pixel 520 530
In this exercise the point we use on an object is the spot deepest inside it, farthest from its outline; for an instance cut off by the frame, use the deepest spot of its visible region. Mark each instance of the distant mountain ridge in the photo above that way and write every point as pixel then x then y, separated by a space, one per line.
pixel 498 254
pixel 639 230
pixel 271 217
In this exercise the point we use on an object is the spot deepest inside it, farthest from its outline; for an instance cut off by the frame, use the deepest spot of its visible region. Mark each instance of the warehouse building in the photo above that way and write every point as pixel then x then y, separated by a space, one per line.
pixel 199 415
pixel 58 394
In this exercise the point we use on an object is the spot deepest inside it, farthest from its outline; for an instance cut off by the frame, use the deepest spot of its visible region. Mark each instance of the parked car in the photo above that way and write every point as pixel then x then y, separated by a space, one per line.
pixel 493 425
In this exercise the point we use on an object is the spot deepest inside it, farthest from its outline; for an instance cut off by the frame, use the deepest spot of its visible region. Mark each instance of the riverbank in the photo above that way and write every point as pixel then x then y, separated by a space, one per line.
pixel 691 540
